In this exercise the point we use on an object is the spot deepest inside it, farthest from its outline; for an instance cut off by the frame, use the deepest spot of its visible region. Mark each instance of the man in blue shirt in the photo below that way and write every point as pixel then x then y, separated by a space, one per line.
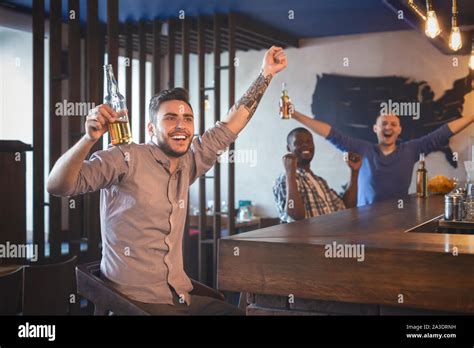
pixel 386 167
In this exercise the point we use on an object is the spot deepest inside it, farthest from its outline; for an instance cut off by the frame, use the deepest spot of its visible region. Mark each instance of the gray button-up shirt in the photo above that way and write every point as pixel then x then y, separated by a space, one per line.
pixel 143 212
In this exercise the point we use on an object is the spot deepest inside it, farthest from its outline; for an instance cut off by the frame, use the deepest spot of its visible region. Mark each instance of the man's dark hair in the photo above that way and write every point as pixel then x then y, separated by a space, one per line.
pixel 167 95
pixel 294 131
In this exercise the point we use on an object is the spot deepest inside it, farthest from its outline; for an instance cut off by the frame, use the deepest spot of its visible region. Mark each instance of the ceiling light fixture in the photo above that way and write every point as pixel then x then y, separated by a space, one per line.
pixel 432 29
pixel 455 40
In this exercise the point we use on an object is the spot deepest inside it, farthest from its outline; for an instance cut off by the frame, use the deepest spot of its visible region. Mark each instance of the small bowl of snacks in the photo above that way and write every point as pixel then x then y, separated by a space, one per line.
pixel 440 184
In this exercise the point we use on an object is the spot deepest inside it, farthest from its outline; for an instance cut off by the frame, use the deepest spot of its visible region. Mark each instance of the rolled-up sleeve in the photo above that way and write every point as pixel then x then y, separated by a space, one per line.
pixel 102 170
pixel 206 148
pixel 346 143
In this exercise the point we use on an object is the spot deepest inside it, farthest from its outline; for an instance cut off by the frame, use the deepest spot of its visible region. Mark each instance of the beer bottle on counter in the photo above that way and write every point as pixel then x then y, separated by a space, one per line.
pixel 285 112
pixel 422 178
pixel 120 130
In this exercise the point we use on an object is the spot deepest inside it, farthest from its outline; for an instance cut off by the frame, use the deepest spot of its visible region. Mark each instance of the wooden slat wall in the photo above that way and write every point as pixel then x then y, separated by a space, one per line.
pixel 260 37
pixel 171 51
pixel 202 125
pixel 231 179
pixel 74 89
pixel 55 96
pixel 38 126
pixel 142 80
pixel 185 51
pixel 94 94
pixel 217 169
pixel 128 68
pixel 156 56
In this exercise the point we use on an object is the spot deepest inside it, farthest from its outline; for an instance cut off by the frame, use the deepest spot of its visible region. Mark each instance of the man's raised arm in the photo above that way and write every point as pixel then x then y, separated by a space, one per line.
pixel 63 177
pixel 240 114
pixel 319 127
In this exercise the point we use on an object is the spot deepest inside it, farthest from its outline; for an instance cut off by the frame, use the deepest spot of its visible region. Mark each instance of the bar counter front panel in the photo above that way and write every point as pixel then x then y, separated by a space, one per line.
pixel 284 269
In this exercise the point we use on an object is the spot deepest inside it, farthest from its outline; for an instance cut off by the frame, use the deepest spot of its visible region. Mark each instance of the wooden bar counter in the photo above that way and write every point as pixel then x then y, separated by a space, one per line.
pixel 284 269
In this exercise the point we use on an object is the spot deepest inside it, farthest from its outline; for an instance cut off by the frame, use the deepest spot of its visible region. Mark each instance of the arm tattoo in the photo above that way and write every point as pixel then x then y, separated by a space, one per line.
pixel 251 98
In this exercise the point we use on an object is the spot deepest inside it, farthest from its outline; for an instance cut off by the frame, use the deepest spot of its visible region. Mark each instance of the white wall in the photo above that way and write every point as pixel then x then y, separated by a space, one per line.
pixel 402 53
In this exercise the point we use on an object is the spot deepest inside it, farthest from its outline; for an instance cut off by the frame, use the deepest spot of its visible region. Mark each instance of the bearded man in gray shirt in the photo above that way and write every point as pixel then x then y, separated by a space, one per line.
pixel 144 192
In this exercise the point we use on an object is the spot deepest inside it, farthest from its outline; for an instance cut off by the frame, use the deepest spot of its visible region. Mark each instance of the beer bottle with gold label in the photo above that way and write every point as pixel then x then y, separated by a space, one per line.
pixel 119 130
pixel 422 178
pixel 285 112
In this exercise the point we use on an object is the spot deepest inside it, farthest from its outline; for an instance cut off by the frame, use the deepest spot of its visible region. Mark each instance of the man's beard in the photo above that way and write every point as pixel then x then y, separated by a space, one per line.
pixel 166 148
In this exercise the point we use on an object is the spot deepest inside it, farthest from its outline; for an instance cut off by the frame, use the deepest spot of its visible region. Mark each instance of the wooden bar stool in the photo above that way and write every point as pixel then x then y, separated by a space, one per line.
pixel 106 299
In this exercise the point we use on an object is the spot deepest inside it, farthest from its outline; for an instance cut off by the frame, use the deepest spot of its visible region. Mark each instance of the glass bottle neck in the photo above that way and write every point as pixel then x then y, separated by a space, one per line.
pixel 112 87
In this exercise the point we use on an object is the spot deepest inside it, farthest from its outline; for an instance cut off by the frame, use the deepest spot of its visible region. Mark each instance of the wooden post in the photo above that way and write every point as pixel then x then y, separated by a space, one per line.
pixel 156 56
pixel 76 213
pixel 185 51
pixel 55 121
pixel 75 204
pixel 171 51
pixel 38 126
pixel 95 91
pixel 113 34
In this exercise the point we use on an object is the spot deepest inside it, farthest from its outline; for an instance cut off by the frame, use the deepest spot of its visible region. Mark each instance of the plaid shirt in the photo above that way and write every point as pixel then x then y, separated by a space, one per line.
pixel 316 203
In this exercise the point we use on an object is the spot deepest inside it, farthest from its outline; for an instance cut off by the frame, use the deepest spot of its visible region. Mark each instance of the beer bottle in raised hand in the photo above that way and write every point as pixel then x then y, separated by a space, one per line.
pixel 119 130
pixel 285 112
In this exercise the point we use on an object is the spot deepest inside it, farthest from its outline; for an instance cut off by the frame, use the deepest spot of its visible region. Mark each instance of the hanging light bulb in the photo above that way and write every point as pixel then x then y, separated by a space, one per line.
pixel 455 40
pixel 432 26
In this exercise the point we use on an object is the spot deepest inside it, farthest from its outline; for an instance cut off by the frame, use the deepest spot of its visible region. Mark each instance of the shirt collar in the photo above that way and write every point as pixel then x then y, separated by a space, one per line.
pixel 162 158
pixel 301 171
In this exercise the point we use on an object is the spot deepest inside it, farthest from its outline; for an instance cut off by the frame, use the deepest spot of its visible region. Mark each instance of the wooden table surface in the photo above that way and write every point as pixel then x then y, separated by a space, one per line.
pixel 290 259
